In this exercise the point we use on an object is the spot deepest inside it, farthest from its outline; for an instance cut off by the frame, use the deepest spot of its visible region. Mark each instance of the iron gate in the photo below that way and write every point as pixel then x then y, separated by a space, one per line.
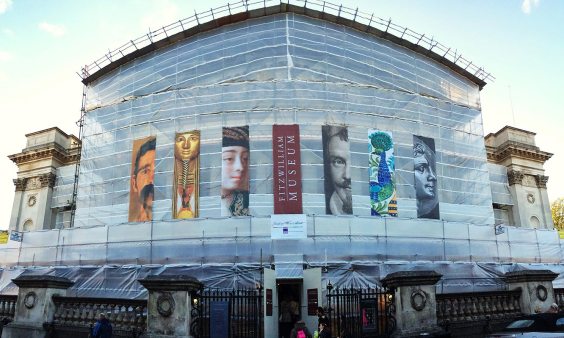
pixel 366 313
pixel 233 314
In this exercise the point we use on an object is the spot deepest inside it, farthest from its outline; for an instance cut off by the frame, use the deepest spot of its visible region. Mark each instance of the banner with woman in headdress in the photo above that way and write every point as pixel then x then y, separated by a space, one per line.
pixel 235 171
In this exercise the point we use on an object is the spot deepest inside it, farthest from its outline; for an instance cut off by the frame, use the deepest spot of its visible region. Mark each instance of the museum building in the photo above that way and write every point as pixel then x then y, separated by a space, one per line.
pixel 284 146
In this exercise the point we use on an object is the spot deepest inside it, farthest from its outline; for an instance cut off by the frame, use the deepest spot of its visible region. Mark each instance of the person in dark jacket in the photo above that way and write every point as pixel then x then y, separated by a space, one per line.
pixel 322 318
pixel 300 325
pixel 324 331
pixel 102 328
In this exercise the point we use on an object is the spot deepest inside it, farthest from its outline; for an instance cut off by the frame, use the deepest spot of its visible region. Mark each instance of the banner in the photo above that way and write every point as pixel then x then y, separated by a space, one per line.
pixel 3 236
pixel 235 171
pixel 289 226
pixel 16 236
pixel 186 182
pixel 337 171
pixel 286 158
pixel 425 177
pixel 381 168
pixel 142 190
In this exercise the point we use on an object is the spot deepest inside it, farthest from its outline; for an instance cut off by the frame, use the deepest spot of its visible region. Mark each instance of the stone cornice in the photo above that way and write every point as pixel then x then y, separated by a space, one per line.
pixel 411 278
pixel 51 282
pixel 516 149
pixel 52 152
pixel 529 276
pixel 171 283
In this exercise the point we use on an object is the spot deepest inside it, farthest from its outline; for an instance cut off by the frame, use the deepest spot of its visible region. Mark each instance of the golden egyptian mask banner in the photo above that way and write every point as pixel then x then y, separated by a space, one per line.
pixel 186 190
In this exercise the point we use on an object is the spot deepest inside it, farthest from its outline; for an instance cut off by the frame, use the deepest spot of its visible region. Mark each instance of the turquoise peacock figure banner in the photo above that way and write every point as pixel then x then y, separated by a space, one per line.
pixel 381 169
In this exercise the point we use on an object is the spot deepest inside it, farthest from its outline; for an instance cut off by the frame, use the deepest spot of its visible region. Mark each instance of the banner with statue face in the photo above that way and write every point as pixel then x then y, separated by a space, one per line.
pixel 186 182
pixel 337 170
pixel 425 177
pixel 381 168
pixel 235 171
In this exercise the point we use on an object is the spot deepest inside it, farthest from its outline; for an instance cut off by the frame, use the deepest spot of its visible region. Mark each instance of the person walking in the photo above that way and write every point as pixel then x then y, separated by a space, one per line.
pixel 102 328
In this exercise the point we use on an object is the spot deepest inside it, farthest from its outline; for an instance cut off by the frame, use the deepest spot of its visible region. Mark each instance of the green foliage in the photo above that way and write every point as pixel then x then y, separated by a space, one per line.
pixel 557 210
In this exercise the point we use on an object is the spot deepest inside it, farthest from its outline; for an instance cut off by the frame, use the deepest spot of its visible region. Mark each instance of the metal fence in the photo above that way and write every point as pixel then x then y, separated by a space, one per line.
pixel 363 313
pixel 236 313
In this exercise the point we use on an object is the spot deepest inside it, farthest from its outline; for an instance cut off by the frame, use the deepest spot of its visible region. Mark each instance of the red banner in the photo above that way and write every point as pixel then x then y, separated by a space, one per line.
pixel 287 174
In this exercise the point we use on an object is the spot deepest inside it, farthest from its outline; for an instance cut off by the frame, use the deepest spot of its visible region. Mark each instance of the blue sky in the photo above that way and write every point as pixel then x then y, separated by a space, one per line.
pixel 44 43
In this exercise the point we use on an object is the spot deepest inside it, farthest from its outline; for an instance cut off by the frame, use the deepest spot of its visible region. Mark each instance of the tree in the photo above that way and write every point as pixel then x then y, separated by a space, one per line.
pixel 557 210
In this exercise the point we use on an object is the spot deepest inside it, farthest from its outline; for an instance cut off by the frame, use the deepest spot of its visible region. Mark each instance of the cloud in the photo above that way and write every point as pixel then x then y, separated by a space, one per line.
pixel 55 30
pixel 5 5
pixel 528 5
pixel 5 56
pixel 8 32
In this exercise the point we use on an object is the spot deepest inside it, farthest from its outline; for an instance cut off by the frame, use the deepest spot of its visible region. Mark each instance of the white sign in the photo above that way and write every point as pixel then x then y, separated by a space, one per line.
pixel 288 226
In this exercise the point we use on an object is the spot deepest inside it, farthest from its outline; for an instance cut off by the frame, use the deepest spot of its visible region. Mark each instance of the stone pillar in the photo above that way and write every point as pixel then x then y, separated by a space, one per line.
pixel 537 293
pixel 169 306
pixel 414 297
pixel 34 306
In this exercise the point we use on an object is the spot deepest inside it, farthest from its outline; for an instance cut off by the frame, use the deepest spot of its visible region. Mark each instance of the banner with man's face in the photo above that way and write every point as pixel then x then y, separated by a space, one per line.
pixel 142 190
pixel 381 168
pixel 186 182
pixel 235 171
pixel 337 170
pixel 425 177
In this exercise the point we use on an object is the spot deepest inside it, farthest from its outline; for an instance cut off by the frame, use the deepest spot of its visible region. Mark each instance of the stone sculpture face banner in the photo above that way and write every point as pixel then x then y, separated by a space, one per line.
pixel 235 171
pixel 381 168
pixel 142 189
pixel 337 170
pixel 186 182
pixel 425 177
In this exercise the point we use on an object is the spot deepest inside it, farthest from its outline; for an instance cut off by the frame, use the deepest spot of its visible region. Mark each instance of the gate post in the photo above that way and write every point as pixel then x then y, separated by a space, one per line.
pixel 35 305
pixel 169 306
pixel 414 297
pixel 537 293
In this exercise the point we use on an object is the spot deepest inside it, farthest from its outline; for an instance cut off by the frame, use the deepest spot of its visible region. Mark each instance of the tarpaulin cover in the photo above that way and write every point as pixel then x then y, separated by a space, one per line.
pixel 282 69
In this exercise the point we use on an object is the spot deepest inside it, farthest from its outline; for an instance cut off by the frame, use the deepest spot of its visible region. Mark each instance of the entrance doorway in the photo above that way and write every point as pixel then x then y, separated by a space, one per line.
pixel 289 305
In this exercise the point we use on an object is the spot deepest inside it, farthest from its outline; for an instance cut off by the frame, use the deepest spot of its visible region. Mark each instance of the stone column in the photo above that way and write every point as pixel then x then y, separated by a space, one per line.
pixel 414 297
pixel 34 306
pixel 169 306
pixel 537 293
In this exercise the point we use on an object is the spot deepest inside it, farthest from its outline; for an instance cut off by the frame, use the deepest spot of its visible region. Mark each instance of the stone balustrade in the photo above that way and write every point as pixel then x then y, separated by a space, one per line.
pixel 7 306
pixel 127 315
pixel 479 306
pixel 559 298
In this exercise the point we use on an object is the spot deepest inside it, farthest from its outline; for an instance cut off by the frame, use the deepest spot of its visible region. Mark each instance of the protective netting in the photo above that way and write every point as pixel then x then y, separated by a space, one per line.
pixel 245 239
pixel 122 281
pixel 282 69
pixel 500 185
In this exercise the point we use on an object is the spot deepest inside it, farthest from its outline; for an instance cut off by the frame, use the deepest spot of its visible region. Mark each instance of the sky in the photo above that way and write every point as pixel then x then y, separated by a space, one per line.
pixel 44 44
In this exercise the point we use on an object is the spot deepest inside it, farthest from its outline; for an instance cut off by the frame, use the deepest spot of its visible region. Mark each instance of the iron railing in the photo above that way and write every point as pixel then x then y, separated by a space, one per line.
pixel 361 312
pixel 244 317
pixel 340 11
